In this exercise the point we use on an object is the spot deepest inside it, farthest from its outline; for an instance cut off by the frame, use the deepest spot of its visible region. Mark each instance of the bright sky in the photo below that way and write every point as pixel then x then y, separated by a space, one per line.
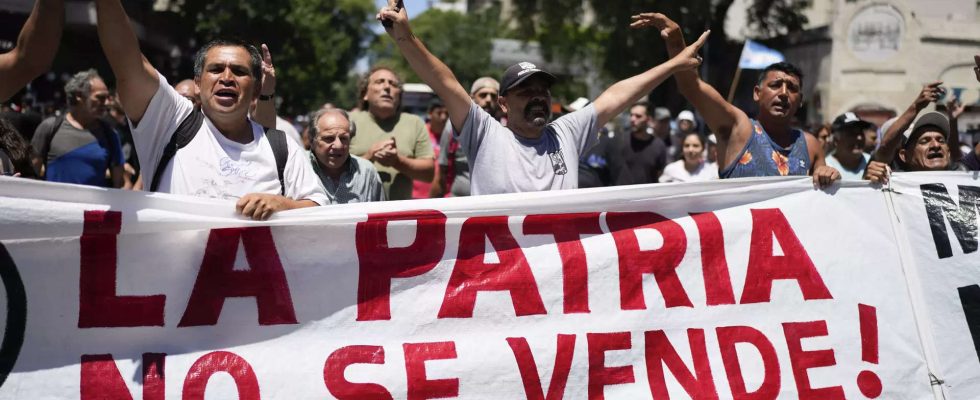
pixel 415 7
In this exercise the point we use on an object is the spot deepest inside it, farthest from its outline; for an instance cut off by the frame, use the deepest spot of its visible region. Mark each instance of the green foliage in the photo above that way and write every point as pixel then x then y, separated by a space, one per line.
pixel 314 43
pixel 462 41
pixel 777 17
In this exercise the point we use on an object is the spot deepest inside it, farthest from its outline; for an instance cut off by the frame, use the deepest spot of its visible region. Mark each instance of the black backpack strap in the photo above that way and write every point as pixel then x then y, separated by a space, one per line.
pixel 108 140
pixel 58 120
pixel 280 149
pixel 185 132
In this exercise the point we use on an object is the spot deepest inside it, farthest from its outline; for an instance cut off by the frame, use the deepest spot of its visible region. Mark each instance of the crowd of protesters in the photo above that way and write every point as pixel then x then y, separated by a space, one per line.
pixel 217 135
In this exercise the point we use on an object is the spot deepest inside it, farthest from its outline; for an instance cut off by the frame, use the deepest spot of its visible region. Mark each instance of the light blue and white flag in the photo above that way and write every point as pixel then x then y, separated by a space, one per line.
pixel 757 56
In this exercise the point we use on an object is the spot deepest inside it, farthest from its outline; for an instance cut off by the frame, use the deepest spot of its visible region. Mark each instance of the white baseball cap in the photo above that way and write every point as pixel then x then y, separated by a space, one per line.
pixel 686 116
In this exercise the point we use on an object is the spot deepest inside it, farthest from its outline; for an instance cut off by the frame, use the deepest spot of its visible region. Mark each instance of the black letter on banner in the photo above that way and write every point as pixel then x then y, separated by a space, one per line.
pixel 970 298
pixel 13 336
pixel 962 219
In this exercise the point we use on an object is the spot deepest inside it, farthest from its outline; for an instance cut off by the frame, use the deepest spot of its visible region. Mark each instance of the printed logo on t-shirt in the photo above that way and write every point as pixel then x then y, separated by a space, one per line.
pixel 558 162
pixel 241 169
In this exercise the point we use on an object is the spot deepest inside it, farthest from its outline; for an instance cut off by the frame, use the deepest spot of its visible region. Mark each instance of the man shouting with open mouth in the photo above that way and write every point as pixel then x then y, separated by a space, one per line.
pixel 531 153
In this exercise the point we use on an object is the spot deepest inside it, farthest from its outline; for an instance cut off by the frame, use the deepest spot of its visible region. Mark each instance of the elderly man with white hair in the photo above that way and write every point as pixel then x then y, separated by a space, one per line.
pixel 347 178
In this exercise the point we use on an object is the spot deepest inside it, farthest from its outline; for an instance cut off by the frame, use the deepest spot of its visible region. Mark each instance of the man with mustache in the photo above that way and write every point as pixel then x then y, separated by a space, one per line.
pixel 219 151
pixel 529 154
pixel 768 146
pixel 396 142
pixel 79 147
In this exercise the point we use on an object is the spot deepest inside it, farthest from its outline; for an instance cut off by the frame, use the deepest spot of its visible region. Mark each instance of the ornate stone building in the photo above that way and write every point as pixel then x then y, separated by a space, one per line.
pixel 873 56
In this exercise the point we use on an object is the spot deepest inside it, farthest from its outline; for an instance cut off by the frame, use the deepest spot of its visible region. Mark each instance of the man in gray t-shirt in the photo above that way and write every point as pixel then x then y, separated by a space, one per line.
pixel 529 154
pixel 505 162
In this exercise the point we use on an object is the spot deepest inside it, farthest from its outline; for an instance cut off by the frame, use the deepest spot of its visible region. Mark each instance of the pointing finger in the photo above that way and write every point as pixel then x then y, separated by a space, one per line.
pixel 266 55
pixel 701 40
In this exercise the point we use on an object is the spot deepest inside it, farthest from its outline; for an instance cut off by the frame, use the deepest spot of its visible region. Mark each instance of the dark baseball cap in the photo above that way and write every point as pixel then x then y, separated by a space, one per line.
pixel 519 72
pixel 849 119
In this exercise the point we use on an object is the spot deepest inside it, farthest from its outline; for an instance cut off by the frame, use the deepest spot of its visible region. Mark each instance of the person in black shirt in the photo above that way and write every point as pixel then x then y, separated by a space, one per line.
pixel 644 155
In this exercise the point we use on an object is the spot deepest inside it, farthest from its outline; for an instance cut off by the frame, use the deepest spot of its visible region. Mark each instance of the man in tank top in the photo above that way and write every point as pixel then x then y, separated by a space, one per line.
pixel 768 146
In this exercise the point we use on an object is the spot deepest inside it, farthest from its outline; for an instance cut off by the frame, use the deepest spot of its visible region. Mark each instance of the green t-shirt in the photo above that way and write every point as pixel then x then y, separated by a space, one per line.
pixel 410 138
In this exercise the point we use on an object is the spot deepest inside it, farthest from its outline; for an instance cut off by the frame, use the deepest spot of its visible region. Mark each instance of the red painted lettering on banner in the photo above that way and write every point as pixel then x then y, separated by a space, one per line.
pixel 728 337
pixel 714 265
pixel 217 280
pixel 154 378
pixel 659 352
pixel 472 274
pixel 764 267
pixel 379 263
pixel 801 361
pixel 420 387
pixel 567 230
pixel 600 375
pixel 221 361
pixel 868 381
pixel 533 390
pixel 662 262
pixel 98 304
pixel 101 379
pixel 340 387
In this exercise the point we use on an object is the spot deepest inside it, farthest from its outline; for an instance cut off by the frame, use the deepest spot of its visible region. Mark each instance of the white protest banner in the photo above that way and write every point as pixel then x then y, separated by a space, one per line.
pixel 938 212
pixel 748 289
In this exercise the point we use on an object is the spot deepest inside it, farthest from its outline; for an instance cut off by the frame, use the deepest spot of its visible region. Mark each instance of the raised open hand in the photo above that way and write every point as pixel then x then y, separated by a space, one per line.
pixel 665 25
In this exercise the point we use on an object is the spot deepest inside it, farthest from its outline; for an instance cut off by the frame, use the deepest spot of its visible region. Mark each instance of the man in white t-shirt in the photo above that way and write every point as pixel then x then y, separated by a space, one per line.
pixel 529 154
pixel 230 156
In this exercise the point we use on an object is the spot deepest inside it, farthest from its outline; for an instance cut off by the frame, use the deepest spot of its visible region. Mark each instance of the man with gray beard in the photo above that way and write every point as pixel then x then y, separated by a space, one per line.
pixel 532 153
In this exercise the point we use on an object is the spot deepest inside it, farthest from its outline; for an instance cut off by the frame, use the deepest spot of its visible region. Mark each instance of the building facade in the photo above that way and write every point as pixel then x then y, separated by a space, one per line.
pixel 874 57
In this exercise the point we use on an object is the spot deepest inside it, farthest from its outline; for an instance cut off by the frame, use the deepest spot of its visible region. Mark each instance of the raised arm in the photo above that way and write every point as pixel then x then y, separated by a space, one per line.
pixel 722 117
pixel 892 139
pixel 36 47
pixel 433 72
pixel 628 91
pixel 954 108
pixel 265 109
pixel 136 80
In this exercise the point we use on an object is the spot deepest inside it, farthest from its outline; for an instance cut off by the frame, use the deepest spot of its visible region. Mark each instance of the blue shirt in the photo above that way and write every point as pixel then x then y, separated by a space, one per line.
pixel 75 155
pixel 761 156
pixel 855 174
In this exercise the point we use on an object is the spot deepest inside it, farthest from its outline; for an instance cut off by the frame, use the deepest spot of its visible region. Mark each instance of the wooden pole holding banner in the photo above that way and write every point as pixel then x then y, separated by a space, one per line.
pixel 731 91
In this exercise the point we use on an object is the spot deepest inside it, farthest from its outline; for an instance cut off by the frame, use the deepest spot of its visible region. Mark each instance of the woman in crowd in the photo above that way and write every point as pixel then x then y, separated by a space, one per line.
pixel 690 168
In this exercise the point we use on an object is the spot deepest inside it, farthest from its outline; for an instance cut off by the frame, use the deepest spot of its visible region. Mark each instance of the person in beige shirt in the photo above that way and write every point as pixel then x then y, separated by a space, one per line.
pixel 395 142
